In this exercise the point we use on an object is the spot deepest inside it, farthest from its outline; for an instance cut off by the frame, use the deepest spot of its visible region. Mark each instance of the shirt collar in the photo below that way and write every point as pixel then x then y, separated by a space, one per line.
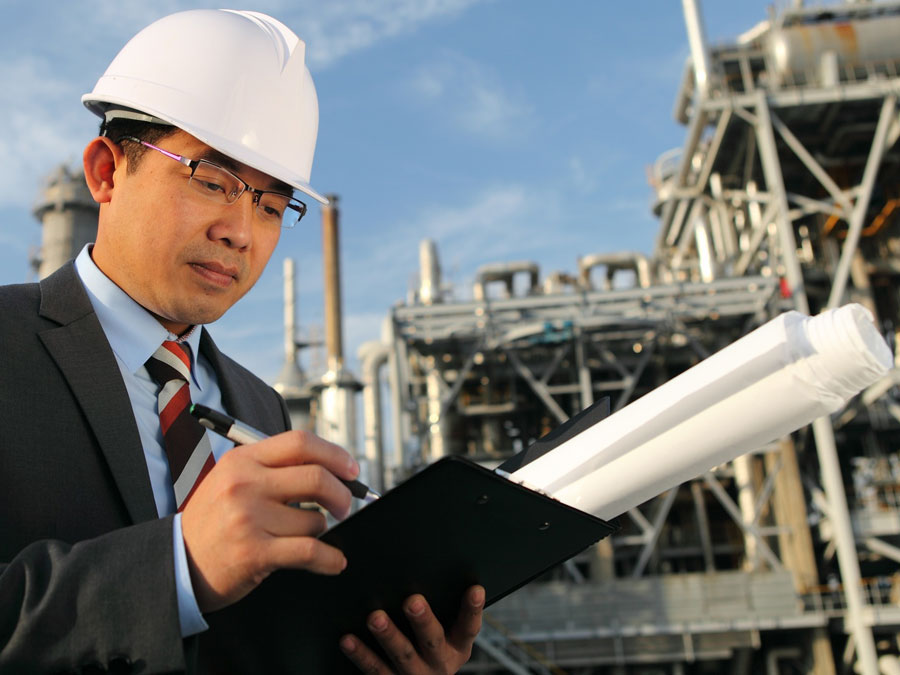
pixel 133 333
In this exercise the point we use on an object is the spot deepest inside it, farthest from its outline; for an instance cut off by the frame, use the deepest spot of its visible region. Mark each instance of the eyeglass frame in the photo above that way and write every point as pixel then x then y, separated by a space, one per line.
pixel 192 164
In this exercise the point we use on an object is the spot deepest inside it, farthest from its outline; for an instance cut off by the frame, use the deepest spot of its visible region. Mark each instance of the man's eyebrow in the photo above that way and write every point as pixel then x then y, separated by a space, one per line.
pixel 223 160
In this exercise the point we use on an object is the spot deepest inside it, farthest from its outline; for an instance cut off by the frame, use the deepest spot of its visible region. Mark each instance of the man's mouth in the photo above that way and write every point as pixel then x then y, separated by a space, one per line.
pixel 217 273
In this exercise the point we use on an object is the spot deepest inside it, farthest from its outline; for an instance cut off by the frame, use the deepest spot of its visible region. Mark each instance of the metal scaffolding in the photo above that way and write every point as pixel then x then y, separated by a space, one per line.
pixel 783 197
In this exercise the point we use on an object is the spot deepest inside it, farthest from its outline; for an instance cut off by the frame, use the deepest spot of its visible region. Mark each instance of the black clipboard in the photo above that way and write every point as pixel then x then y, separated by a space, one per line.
pixel 452 525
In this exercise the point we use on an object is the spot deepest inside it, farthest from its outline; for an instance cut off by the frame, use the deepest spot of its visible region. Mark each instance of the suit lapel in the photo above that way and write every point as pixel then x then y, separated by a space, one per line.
pixel 83 355
pixel 228 379
pixel 244 396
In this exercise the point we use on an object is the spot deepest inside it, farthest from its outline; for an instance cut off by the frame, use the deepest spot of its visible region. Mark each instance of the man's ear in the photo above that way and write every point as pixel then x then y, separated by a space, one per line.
pixel 101 159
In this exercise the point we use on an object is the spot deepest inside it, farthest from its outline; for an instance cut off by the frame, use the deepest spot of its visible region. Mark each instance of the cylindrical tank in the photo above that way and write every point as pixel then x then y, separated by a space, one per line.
pixel 821 48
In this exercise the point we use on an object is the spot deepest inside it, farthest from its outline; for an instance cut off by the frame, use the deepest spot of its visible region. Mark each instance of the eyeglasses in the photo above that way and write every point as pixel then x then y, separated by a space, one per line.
pixel 220 185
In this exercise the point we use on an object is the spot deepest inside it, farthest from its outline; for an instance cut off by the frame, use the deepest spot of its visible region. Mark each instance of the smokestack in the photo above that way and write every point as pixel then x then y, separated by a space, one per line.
pixel 291 382
pixel 336 419
pixel 334 346
pixel 430 273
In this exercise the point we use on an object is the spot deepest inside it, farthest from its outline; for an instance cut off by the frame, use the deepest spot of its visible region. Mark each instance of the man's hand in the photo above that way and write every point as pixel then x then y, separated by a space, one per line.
pixel 435 651
pixel 238 526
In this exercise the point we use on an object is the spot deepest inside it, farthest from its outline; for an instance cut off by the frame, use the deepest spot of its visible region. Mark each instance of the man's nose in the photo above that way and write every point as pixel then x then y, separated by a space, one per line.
pixel 235 226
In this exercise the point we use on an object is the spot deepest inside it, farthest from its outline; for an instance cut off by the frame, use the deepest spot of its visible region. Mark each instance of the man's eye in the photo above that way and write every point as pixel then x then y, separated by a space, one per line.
pixel 210 185
pixel 272 212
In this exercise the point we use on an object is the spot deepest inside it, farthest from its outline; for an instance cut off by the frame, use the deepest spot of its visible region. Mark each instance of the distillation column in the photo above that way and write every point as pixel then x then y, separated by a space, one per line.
pixel 68 213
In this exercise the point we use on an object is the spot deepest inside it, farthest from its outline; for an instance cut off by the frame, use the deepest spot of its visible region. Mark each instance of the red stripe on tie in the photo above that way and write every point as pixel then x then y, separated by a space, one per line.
pixel 178 351
pixel 182 434
pixel 176 405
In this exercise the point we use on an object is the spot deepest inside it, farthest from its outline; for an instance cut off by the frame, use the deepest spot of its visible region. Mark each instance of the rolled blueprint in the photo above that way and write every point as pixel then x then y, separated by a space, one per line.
pixel 769 383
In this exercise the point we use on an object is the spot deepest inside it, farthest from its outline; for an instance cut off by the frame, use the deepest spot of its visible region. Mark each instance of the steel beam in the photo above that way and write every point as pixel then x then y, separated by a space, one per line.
pixel 771 165
pixel 662 513
pixel 857 218
pixel 883 548
pixel 749 529
pixel 810 163
pixel 537 387
pixel 703 526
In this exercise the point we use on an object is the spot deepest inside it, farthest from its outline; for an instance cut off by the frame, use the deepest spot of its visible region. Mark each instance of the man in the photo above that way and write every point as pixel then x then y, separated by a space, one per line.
pixel 113 545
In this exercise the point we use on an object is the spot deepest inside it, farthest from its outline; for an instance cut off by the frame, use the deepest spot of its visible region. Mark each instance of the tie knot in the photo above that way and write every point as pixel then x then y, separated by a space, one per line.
pixel 171 361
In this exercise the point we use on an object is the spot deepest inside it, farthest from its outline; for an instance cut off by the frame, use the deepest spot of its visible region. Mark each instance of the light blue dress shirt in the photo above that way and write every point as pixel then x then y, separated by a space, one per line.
pixel 134 334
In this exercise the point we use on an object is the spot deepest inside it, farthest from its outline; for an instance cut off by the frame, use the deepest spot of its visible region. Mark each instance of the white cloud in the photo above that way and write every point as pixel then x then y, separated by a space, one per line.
pixel 47 66
pixel 35 135
pixel 336 29
pixel 503 222
pixel 474 97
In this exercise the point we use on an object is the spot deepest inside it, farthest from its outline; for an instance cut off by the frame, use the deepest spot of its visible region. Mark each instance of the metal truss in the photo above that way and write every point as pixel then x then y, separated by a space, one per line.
pixel 783 197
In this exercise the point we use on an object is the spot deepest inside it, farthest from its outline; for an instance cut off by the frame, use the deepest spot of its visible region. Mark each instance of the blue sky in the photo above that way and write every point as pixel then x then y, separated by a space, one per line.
pixel 502 129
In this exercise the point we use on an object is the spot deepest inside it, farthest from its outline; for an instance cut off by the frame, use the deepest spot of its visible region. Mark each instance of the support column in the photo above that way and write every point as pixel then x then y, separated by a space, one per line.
pixel 743 480
pixel 822 430
pixel 795 539
pixel 603 565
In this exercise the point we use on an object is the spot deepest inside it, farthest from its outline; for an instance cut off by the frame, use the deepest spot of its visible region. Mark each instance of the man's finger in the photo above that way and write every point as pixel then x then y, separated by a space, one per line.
pixel 306 553
pixel 468 622
pixel 428 630
pixel 307 483
pixel 281 520
pixel 364 658
pixel 395 644
pixel 300 447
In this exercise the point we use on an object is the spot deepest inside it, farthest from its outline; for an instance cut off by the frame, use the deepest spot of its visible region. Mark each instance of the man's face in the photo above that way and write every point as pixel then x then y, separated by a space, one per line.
pixel 183 257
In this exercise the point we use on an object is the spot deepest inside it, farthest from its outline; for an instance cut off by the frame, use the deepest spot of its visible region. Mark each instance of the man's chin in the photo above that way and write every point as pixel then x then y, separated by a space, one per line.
pixel 178 322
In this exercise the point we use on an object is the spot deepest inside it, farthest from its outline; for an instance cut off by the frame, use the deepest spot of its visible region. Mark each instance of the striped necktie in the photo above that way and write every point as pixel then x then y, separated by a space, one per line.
pixel 187 446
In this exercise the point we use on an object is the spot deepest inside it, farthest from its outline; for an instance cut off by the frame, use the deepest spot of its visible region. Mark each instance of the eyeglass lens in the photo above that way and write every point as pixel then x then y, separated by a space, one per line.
pixel 221 185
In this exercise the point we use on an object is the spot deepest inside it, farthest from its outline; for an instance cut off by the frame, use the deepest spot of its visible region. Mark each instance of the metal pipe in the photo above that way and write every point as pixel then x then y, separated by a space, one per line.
pixel 399 418
pixel 290 313
pixel 706 261
pixel 623 260
pixel 429 273
pixel 373 356
pixel 505 272
pixel 697 41
pixel 332 272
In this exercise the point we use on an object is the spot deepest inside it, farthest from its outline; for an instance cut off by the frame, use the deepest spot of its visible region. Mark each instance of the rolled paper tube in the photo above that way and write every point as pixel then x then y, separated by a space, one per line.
pixel 767 384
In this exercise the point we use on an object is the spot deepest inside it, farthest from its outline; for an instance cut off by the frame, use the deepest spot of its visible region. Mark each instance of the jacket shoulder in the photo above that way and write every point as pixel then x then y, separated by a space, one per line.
pixel 20 306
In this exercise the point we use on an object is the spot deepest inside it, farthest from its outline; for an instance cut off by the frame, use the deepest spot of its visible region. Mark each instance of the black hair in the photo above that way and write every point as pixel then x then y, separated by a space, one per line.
pixel 119 127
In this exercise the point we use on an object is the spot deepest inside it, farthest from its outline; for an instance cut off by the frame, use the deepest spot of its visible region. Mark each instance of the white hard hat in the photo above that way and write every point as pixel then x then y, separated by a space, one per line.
pixel 236 80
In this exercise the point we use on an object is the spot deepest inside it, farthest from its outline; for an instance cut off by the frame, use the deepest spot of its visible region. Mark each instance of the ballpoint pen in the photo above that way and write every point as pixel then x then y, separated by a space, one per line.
pixel 243 434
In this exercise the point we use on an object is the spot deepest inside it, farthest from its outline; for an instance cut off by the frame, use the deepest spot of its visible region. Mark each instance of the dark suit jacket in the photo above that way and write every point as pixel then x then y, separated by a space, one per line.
pixel 86 565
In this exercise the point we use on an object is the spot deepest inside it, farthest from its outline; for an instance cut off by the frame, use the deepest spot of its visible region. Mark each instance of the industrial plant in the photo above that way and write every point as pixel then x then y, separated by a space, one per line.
pixel 784 196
